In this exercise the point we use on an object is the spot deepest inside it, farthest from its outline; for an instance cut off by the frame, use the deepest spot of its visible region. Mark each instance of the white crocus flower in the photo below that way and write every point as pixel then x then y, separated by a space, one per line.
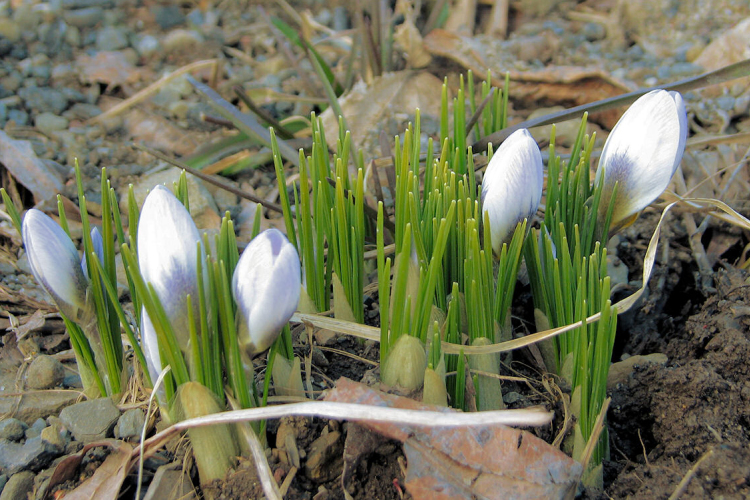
pixel 512 186
pixel 56 265
pixel 167 253
pixel 266 286
pixel 641 154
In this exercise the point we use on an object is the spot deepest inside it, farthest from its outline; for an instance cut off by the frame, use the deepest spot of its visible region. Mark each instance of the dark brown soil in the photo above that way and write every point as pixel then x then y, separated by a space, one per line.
pixel 690 417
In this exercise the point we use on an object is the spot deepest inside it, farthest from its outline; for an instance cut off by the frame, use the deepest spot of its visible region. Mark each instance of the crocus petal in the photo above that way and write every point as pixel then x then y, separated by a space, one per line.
pixel 150 346
pixel 167 252
pixel 512 185
pixel 98 244
pixel 266 286
pixel 55 263
pixel 642 153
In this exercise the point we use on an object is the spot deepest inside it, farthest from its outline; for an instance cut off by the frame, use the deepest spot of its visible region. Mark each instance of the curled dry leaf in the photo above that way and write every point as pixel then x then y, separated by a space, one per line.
pixel 35 174
pixel 367 107
pixel 106 482
pixel 109 67
pixel 466 463
pixel 555 84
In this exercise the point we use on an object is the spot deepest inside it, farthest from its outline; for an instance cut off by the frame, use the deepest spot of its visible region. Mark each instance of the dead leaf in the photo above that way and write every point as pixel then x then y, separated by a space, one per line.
pixel 478 462
pixel 23 303
pixel 109 67
pixel 32 323
pixel 106 482
pixel 155 131
pixel 556 85
pixel 367 108
pixel 730 47
pixel 34 173
pixel 461 18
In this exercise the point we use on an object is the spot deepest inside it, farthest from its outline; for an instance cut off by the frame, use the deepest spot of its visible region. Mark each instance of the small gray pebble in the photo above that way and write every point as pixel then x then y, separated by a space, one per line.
pixel 725 102
pixel 18 486
pixel 44 372
pixel 12 429
pixel 111 38
pixel 130 424
pixel 84 18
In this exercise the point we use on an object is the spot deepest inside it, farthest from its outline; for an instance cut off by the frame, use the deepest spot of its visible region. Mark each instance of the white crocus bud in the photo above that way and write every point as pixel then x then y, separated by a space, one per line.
pixel 641 154
pixel 56 265
pixel 167 253
pixel 512 186
pixel 266 286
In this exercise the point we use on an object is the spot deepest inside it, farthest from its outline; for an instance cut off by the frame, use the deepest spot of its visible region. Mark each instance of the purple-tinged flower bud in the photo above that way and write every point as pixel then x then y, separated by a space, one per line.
pixel 641 154
pixel 512 186
pixel 56 265
pixel 167 253
pixel 266 286
pixel 98 244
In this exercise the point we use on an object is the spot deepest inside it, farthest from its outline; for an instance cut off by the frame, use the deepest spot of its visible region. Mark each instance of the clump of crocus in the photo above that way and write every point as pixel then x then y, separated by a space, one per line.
pixel 167 258
pixel 56 265
pixel 641 154
pixel 512 186
pixel 266 286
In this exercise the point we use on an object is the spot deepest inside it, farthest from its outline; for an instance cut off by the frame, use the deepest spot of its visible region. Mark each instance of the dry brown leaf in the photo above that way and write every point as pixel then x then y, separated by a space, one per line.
pixel 556 85
pixel 106 482
pixel 369 109
pixel 155 131
pixel 732 46
pixel 479 462
pixel 34 173
pixel 109 67
pixel 34 322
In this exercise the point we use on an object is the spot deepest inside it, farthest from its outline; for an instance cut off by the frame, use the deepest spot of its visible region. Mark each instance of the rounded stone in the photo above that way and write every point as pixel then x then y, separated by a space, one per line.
pixel 18 486
pixel 90 420
pixel 130 424
pixel 84 18
pixel 12 429
pixel 111 38
pixel 44 372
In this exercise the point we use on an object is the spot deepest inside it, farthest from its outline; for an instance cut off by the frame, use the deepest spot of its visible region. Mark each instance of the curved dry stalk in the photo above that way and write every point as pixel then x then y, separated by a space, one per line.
pixel 152 89
pixel 707 205
pixel 355 412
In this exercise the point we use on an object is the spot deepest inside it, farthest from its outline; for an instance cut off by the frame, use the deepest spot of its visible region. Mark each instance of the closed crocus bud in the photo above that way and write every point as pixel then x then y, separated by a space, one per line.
pixel 512 186
pixel 167 252
pixel 641 154
pixel 266 286
pixel 56 265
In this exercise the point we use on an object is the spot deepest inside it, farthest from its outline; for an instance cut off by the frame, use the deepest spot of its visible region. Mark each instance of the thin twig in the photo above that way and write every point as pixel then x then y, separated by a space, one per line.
pixel 682 487
pixel 478 112
pixel 152 89
pixel 725 74
pixel 281 131
pixel 216 181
